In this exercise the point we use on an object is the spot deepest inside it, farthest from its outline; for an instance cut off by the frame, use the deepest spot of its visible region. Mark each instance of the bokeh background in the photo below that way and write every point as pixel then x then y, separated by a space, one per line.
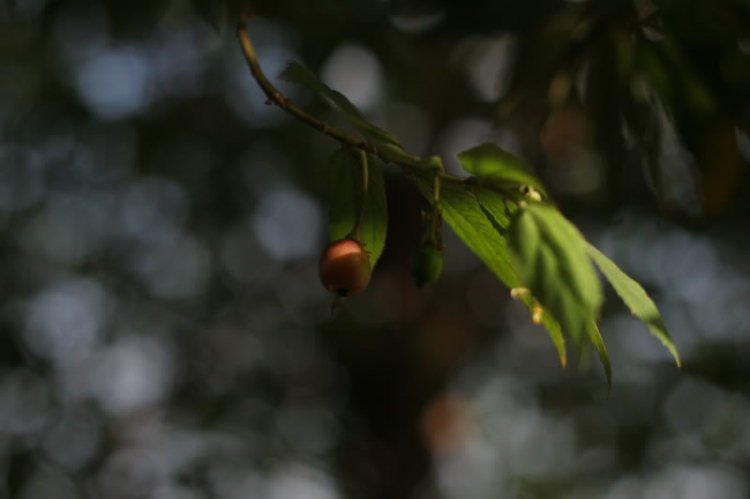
pixel 163 331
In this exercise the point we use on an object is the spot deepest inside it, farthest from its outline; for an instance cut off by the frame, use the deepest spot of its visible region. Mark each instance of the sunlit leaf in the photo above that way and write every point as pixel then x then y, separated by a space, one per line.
pixel 635 298
pixel 346 198
pixel 480 217
pixel 552 263
pixel 497 207
pixel 464 214
pixel 555 333
pixel 596 338
pixel 491 164
pixel 552 327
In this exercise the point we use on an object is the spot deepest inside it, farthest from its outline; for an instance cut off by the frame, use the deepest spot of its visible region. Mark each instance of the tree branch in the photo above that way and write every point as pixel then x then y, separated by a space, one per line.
pixel 276 97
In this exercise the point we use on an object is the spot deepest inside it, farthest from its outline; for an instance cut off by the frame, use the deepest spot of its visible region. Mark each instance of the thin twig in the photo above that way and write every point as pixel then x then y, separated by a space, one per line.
pixel 275 96
pixel 346 140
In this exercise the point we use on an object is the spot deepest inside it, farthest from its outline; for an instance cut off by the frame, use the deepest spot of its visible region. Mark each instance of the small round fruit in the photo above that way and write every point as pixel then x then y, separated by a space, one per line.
pixel 427 264
pixel 345 267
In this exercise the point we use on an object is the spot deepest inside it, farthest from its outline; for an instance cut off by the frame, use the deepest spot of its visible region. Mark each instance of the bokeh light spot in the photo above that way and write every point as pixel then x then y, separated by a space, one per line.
pixel 288 224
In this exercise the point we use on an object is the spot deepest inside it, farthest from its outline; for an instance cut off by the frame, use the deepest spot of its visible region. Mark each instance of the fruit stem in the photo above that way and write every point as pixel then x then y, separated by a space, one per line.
pixel 365 171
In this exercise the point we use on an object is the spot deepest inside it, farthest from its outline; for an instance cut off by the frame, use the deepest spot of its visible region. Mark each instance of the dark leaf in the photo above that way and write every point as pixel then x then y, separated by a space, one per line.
pixel 297 73
pixel 346 198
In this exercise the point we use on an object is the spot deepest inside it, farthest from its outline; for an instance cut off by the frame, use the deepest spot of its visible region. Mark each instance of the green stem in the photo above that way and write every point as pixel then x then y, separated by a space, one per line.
pixel 275 96
pixel 364 164
pixel 407 162
pixel 447 177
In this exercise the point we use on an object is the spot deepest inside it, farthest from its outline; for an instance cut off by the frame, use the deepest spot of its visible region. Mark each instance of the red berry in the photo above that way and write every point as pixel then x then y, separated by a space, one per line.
pixel 345 267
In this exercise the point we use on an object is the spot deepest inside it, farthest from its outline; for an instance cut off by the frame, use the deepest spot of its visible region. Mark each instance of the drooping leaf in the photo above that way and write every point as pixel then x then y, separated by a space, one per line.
pixel 551 325
pixel 499 211
pixel 480 217
pixel 297 73
pixel 555 333
pixel 493 165
pixel 635 297
pixel 465 215
pixel 346 198
pixel 552 263
pixel 596 338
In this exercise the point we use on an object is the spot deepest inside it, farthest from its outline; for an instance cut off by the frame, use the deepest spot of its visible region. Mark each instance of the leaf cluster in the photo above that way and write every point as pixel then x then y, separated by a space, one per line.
pixel 501 211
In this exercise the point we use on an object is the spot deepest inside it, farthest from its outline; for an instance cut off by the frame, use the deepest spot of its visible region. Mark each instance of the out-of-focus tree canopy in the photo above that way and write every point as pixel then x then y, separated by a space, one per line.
pixel 163 331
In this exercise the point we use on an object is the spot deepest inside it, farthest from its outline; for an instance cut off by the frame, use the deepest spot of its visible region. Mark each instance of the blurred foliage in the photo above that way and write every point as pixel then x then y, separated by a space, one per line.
pixel 164 333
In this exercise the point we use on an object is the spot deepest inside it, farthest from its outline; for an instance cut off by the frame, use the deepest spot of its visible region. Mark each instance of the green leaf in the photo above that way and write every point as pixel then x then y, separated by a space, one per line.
pixel 346 198
pixel 551 325
pixel 496 206
pixel 462 211
pixel 499 211
pixel 494 166
pixel 552 262
pixel 388 147
pixel 555 333
pixel 596 338
pixel 635 298
pixel 480 217
pixel 297 73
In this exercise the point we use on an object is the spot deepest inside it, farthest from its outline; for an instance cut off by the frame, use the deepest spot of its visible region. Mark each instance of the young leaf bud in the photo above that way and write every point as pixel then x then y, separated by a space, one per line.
pixel 427 264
